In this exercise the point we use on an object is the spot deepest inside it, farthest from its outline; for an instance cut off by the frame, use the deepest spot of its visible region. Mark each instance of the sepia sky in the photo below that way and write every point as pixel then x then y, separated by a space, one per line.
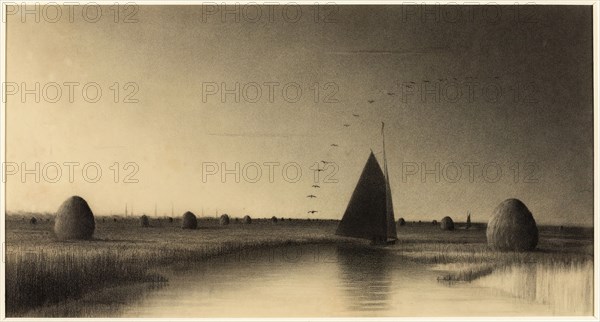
pixel 526 108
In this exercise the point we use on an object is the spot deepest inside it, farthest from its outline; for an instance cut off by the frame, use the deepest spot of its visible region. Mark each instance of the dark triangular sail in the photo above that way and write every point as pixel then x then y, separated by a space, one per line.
pixel 366 214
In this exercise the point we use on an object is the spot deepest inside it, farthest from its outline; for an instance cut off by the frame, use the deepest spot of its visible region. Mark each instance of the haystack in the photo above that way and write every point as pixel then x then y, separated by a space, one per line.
pixel 74 220
pixel 224 220
pixel 434 222
pixel 447 223
pixel 189 221
pixel 274 219
pixel 145 221
pixel 401 222
pixel 33 221
pixel 512 227
pixel 170 219
pixel 247 220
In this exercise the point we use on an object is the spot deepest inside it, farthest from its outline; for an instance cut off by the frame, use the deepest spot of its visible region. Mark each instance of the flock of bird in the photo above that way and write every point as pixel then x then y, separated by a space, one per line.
pixel 410 84
pixel 325 163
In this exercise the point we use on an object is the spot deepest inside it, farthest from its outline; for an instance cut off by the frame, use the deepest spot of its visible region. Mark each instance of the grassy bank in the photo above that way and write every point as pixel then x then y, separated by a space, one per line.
pixel 42 271
pixel 46 277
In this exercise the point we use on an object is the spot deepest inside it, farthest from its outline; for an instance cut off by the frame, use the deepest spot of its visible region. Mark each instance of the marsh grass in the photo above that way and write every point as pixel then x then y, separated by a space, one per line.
pixel 48 277
pixel 566 287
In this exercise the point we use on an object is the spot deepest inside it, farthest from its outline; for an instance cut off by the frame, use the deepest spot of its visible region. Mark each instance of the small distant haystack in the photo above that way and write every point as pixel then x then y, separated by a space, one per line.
pixel 224 220
pixel 401 222
pixel 145 221
pixel 33 221
pixel 115 219
pixel 189 221
pixel 512 227
pixel 447 223
pixel 170 219
pixel 282 219
pixel 247 220
pixel 74 220
pixel 274 219
pixel 434 222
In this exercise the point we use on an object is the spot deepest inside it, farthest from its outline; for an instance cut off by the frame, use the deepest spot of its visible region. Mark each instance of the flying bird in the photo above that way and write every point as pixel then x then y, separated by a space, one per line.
pixel 390 93
pixel 371 101
pixel 326 162
pixel 334 145
pixel 312 211
pixel 316 186
pixel 311 196
pixel 346 125
pixel 355 115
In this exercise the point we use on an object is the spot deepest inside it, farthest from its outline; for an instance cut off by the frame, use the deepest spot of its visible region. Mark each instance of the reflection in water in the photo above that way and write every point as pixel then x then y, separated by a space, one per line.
pixel 334 281
pixel 365 277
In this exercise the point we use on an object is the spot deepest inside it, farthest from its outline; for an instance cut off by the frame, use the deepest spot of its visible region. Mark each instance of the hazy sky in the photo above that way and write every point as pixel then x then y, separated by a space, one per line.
pixel 526 107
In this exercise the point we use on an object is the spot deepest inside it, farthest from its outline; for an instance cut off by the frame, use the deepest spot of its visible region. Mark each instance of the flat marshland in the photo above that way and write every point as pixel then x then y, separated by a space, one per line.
pixel 47 277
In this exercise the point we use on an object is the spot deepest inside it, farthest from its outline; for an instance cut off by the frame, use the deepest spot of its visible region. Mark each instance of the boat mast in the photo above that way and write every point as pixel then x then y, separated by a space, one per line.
pixel 385 169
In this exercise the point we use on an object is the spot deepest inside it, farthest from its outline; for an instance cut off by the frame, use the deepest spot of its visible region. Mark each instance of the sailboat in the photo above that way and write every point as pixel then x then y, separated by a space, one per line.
pixel 370 212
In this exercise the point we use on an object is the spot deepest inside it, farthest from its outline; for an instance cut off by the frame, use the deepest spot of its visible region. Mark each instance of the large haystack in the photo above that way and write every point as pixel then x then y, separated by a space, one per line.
pixel 401 222
pixel 144 221
pixel 74 220
pixel 189 221
pixel 224 220
pixel 247 220
pixel 512 227
pixel 447 223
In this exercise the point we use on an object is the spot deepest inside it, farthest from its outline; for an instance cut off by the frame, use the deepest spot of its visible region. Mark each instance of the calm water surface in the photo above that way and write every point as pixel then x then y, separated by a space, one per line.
pixel 324 281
